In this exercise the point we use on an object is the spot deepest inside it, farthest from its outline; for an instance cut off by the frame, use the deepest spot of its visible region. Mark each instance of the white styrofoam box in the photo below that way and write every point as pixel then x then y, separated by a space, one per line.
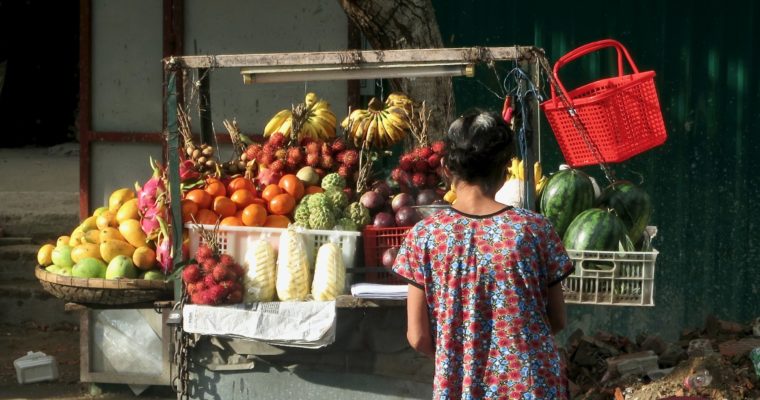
pixel 35 367
pixel 233 240
pixel 617 278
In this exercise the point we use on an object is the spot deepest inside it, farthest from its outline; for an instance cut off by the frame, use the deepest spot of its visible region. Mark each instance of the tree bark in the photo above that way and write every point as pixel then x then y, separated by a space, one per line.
pixel 407 24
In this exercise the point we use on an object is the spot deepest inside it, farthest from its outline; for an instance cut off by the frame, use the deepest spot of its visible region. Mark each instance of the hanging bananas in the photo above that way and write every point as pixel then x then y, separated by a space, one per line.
pixel 517 171
pixel 320 123
pixel 380 126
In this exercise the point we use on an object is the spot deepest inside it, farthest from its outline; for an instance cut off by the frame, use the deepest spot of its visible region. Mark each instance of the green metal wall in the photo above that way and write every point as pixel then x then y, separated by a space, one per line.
pixel 703 180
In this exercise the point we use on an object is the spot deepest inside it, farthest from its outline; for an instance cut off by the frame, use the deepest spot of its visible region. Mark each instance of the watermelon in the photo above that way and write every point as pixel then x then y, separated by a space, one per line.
pixel 597 229
pixel 631 203
pixel 567 194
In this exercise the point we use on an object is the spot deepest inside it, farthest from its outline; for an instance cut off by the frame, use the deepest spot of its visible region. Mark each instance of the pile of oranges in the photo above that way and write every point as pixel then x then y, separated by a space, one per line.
pixel 238 203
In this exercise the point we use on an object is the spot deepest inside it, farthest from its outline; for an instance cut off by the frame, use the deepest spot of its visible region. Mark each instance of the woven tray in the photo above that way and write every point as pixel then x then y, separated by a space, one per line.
pixel 103 291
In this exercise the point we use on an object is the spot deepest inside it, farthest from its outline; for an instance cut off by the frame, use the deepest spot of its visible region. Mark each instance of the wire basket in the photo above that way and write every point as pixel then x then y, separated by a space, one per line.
pixel 609 120
pixel 103 291
pixel 611 278
pixel 376 242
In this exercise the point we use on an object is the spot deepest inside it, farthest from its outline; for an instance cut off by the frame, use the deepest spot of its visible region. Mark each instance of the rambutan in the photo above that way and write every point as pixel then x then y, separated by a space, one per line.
pixel 306 140
pixel 400 176
pixel 203 253
pixel 209 280
pixel 277 166
pixel 217 294
pixel 291 165
pixel 312 159
pixel 406 162
pixel 421 165
pixel 197 298
pixel 351 157
pixel 220 273
pixel 339 157
pixel 191 288
pixel 418 179
pixel 226 260
pixel 295 154
pixel 252 151
pixel 327 162
pixel 191 274
pixel 313 148
pixel 438 147
pixel 277 139
pixel 434 161
pixel 208 265
pixel 432 180
pixel 238 270
pixel 425 152
pixel 280 154
pixel 226 285
pixel 344 171
pixel 266 158
pixel 235 297
pixel 338 145
pixel 236 286
pixel 326 150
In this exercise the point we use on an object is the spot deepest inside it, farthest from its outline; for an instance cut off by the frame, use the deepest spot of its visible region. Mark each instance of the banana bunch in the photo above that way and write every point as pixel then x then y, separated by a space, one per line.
pixel 451 196
pixel 379 125
pixel 517 171
pixel 319 124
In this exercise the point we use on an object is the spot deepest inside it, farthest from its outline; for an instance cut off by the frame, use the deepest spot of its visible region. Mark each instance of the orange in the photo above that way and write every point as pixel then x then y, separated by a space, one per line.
pixel 215 187
pixel 277 221
pixel 199 197
pixel 240 183
pixel 314 189
pixel 205 216
pixel 239 214
pixel 270 191
pixel 224 206
pixel 292 185
pixel 231 221
pixel 189 209
pixel 254 215
pixel 260 202
pixel 242 198
pixel 282 204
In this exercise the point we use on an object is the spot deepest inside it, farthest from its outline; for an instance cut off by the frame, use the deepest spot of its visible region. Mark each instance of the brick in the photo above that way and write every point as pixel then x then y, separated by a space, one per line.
pixel 635 363
pixel 738 347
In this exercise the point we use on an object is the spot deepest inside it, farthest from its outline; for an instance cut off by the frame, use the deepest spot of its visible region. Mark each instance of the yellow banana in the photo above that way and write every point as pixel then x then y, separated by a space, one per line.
pixel 537 171
pixel 359 131
pixel 323 125
pixel 399 121
pixel 371 131
pixel 326 114
pixel 512 169
pixel 285 128
pixel 276 121
pixel 394 133
pixel 310 99
pixel 541 185
pixel 521 171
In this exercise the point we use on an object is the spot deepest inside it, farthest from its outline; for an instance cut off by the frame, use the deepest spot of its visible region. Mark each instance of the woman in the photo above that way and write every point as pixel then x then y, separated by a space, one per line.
pixel 484 294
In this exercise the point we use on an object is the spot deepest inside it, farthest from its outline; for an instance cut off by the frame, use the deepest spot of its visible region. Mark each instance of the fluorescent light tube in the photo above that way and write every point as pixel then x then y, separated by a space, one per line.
pixel 334 72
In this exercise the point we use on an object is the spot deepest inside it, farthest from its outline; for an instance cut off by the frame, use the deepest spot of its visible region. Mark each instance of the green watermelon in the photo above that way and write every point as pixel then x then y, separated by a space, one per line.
pixel 631 203
pixel 567 194
pixel 597 229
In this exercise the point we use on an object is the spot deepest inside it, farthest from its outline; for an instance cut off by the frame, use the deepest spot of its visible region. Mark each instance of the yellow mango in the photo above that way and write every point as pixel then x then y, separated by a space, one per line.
pixel 76 237
pixel 127 211
pixel 144 258
pixel 112 248
pixel 119 197
pixel 106 219
pixel 85 250
pixel 99 211
pixel 45 255
pixel 92 236
pixel 132 232
pixel 62 240
pixel 88 224
pixel 110 233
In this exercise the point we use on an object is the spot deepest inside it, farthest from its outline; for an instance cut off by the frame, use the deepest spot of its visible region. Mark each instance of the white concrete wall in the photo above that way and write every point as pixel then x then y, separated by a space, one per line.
pixel 127 70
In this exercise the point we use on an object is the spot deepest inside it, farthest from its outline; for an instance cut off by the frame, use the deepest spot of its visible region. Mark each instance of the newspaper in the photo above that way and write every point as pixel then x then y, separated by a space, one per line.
pixel 379 291
pixel 308 324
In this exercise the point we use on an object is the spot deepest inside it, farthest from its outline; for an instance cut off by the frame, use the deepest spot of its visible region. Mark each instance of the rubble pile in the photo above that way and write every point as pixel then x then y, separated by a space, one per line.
pixel 609 366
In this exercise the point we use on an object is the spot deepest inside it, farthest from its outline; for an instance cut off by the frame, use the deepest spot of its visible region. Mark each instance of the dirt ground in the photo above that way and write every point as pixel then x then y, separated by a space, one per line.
pixel 62 342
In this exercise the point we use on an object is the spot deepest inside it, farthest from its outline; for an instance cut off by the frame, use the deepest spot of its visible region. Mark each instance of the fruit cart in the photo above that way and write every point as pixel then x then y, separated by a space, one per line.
pixel 369 353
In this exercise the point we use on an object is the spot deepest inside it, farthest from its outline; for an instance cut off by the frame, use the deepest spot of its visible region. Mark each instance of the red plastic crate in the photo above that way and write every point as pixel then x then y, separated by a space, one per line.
pixel 376 241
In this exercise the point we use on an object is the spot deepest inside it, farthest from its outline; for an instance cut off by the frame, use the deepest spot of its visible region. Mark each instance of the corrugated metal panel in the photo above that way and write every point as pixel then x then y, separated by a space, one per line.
pixel 703 180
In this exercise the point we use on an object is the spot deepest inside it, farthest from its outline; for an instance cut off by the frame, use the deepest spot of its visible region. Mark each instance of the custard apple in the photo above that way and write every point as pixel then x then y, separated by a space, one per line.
pixel 321 218
pixel 358 213
pixel 333 182
pixel 317 201
pixel 337 199
pixel 301 215
pixel 346 224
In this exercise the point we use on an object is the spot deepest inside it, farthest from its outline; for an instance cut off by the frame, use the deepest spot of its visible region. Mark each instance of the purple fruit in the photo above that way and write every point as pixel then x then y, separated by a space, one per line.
pixel 382 188
pixel 402 200
pixel 372 200
pixel 383 220
pixel 426 197
pixel 406 216
pixel 389 256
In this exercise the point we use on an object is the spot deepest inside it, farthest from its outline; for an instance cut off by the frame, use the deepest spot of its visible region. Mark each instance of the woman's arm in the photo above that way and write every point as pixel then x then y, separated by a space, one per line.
pixel 418 323
pixel 555 309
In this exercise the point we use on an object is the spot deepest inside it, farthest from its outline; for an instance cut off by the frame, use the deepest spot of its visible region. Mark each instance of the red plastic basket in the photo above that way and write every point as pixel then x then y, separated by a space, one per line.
pixel 621 115
pixel 376 241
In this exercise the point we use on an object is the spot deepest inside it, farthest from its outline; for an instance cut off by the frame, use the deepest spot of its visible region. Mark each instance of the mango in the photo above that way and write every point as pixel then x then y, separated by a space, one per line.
pixel 89 268
pixel 112 248
pixel 110 233
pixel 62 240
pixel 119 197
pixel 127 211
pixel 88 224
pixel 61 256
pixel 85 250
pixel 92 236
pixel 106 219
pixel 45 255
pixel 132 232
pixel 76 237
pixel 153 275
pixel 121 267
pixel 144 258
pixel 99 211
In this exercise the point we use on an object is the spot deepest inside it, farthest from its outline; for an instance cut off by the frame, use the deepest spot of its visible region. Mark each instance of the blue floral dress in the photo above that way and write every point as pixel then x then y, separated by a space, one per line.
pixel 485 280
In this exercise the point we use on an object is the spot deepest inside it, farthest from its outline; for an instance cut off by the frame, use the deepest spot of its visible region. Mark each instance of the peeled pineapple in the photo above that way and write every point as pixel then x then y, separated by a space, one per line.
pixel 292 267
pixel 329 273
pixel 260 261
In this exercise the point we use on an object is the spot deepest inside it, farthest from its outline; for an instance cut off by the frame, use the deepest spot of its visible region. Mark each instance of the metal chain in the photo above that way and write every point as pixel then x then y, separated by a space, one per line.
pixel 181 355
pixel 576 119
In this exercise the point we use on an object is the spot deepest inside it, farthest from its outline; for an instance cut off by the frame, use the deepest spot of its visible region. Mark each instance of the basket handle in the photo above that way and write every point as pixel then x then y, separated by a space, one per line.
pixel 585 50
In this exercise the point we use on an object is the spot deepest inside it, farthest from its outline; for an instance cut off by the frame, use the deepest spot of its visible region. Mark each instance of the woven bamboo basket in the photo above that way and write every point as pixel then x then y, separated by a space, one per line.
pixel 103 291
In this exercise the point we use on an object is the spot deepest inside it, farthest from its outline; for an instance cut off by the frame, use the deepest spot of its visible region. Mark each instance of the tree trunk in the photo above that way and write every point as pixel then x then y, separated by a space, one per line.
pixel 407 24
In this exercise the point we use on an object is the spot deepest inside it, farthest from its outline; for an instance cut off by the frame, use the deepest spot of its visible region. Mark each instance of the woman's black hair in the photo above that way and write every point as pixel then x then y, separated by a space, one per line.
pixel 478 147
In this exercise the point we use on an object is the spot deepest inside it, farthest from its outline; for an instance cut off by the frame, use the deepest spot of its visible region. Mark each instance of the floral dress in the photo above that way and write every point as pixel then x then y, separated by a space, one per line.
pixel 485 280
